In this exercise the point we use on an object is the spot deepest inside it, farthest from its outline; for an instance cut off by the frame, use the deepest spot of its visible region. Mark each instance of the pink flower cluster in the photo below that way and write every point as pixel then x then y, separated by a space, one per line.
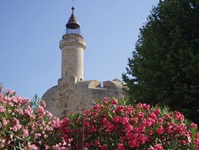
pixel 22 127
pixel 109 125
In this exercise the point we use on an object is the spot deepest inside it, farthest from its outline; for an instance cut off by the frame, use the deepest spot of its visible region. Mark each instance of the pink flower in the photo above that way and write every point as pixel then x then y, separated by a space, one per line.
pixel 150 132
pixel 41 111
pixel 130 110
pixel 160 130
pixel 10 92
pixel 105 120
pixel 37 135
pixel 105 100
pixel 5 122
pixel 86 124
pixel 146 107
pixel 87 144
pixel 124 120
pixel 182 127
pixel 93 129
pixel 179 116
pixel 197 141
pixel 29 111
pixel 2 143
pixel 66 122
pixel 97 107
pixel 120 146
pixel 157 147
pixel 160 120
pixel 193 125
pixel 150 122
pixel 134 120
pixel 157 111
pixel 142 138
pixel 133 143
pixel 19 111
pixel 139 105
pixel 11 104
pixel 168 128
pixel 55 123
pixel 129 128
pixel 140 115
pixel 2 109
pixel 43 103
pixel 153 116
pixel 114 101
pixel 120 109
pixel 25 132
pixel 116 119
pixel 110 127
pixel 168 116
pixel 97 144
pixel 17 125
pixel 104 147
pixel 11 136
pixel 31 146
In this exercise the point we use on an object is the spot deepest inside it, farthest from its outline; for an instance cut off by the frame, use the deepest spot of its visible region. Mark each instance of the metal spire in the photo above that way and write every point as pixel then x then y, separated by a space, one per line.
pixel 73 1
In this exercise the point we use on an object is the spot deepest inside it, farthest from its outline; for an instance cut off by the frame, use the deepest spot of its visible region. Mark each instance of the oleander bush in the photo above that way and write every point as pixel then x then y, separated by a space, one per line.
pixel 112 126
pixel 108 125
pixel 24 127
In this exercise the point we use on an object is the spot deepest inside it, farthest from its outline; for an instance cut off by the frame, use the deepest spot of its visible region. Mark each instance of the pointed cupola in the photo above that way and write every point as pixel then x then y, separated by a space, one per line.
pixel 73 26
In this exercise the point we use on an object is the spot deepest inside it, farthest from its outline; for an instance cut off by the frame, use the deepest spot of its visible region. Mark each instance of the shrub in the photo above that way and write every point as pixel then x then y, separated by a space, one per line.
pixel 24 127
pixel 109 125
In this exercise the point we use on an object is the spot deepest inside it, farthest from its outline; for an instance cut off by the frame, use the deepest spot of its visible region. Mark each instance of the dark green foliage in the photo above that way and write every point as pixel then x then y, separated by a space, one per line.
pixel 164 68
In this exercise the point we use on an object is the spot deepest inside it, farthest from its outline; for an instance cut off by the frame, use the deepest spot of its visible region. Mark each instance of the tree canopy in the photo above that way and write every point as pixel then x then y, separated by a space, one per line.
pixel 164 68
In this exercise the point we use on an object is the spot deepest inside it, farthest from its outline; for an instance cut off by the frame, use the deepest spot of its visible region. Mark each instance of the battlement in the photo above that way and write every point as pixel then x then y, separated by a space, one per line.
pixel 114 84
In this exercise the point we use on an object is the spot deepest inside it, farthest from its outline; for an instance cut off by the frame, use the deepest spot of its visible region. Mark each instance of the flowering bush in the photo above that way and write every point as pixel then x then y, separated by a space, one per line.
pixel 24 127
pixel 109 125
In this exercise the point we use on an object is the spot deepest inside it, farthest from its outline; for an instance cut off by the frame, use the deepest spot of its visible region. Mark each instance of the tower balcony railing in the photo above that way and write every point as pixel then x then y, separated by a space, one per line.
pixel 73 31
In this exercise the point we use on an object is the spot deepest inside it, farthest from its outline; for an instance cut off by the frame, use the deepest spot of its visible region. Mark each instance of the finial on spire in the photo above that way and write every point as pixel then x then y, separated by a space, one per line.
pixel 73 9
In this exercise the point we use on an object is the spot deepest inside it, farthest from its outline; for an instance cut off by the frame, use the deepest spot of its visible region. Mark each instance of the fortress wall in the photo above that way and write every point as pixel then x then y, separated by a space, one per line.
pixel 75 98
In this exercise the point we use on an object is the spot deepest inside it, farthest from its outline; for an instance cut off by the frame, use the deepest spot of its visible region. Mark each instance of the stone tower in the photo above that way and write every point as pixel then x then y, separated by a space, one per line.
pixel 73 93
pixel 72 45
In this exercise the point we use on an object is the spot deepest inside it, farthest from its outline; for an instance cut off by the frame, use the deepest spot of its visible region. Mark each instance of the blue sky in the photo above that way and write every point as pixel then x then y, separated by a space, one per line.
pixel 30 32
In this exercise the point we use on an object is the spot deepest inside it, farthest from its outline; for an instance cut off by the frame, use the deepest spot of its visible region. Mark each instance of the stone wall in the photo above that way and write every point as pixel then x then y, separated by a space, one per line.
pixel 64 98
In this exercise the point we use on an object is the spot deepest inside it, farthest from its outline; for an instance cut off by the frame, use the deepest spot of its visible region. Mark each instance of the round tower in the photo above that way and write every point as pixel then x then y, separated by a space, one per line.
pixel 72 45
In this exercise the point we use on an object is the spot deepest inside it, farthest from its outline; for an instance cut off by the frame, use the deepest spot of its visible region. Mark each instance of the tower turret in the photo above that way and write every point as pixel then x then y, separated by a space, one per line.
pixel 72 45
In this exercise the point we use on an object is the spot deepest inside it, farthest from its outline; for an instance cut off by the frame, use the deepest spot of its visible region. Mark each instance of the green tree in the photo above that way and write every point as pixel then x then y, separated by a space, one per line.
pixel 164 68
